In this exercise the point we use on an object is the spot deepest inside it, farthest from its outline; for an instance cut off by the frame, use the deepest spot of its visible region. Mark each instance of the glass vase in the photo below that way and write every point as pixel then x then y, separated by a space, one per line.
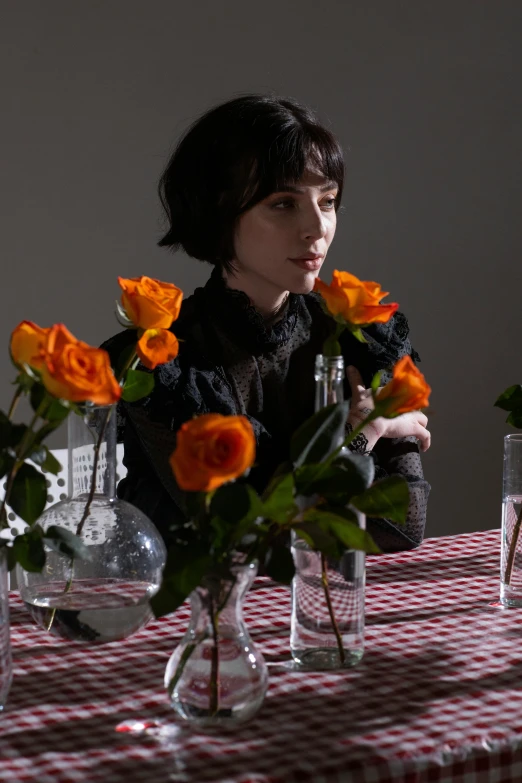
pixel 511 539
pixel 104 595
pixel 5 644
pixel 216 677
pixel 327 619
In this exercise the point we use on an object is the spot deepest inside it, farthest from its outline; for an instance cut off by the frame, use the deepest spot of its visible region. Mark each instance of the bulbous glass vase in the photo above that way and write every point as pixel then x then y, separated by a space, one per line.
pixel 216 677
pixel 103 596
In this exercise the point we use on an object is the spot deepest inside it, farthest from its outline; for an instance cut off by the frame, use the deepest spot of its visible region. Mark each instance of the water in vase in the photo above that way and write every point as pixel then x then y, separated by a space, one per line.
pixel 93 610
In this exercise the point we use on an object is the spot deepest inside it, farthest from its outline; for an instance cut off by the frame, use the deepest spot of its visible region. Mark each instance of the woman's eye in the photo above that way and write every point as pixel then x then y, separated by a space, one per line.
pixel 329 203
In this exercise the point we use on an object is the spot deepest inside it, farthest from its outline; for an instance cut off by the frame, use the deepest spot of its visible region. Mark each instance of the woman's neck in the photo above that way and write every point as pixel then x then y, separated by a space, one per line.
pixel 268 300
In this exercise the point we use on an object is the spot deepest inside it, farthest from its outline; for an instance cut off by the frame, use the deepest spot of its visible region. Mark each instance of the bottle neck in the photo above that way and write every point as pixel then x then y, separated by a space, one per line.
pixel 94 431
pixel 329 380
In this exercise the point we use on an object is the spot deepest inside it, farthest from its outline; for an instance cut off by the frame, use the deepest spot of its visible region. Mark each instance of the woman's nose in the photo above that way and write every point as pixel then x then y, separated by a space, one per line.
pixel 313 225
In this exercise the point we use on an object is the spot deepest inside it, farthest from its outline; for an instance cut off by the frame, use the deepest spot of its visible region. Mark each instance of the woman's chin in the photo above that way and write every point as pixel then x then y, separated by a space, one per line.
pixel 305 283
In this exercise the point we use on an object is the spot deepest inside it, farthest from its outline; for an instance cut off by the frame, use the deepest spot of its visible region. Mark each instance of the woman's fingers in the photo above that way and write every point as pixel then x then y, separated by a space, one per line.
pixel 424 436
pixel 359 391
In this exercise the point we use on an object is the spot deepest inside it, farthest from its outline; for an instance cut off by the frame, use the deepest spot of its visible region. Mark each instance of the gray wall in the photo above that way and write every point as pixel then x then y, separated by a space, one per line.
pixel 425 97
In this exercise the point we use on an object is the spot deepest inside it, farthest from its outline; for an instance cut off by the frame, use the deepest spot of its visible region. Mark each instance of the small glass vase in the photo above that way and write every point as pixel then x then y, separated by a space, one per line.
pixel 5 644
pixel 327 620
pixel 511 538
pixel 105 596
pixel 216 677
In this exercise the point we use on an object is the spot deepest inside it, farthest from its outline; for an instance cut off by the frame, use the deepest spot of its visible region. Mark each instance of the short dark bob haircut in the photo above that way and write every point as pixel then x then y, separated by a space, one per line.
pixel 233 157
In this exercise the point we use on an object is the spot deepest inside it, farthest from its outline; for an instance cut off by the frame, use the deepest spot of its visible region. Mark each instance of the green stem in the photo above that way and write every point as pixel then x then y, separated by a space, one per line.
pixel 126 366
pixel 14 402
pixel 513 548
pixel 326 588
pixel 92 488
pixel 187 652
pixel 331 345
pixel 67 588
pixel 214 664
pixel 87 508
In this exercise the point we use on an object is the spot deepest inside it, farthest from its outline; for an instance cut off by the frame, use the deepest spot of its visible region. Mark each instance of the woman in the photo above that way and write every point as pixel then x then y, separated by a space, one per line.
pixel 254 188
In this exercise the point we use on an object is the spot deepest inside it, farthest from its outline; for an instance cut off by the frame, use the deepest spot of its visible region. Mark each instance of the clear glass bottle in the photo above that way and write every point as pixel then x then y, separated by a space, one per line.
pixel 314 643
pixel 5 644
pixel 511 538
pixel 216 676
pixel 104 597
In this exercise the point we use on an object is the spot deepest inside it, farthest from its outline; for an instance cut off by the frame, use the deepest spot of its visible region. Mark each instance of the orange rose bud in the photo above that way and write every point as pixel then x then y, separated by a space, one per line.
pixel 157 346
pixel 211 450
pixel 149 303
pixel 355 301
pixel 27 344
pixel 77 372
pixel 407 390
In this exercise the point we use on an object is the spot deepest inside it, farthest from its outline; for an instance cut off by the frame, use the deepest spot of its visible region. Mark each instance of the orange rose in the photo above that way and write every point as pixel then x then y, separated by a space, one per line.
pixel 407 390
pixel 211 450
pixel 77 372
pixel 355 301
pixel 150 304
pixel 27 344
pixel 157 346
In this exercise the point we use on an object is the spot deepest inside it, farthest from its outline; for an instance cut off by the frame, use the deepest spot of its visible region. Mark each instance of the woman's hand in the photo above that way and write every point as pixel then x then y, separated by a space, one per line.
pixel 403 426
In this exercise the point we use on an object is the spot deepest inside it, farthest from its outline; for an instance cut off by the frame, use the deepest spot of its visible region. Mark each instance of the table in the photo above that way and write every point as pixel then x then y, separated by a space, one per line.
pixel 437 697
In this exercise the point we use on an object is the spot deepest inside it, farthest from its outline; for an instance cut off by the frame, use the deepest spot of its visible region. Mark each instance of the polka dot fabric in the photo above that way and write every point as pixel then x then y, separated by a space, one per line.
pixel 437 697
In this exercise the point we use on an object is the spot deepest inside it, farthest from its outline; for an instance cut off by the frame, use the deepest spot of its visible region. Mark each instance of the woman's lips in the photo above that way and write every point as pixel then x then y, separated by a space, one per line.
pixel 310 263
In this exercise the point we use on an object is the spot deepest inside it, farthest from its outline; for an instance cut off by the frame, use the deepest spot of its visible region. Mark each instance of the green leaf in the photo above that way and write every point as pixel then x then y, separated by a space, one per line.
pixel 5 431
pixel 279 565
pixel 28 493
pixel 357 333
pixel 388 498
pixel 10 434
pixel 4 522
pixel 343 525
pixel 510 399
pixel 319 538
pixel 66 543
pixel 279 501
pixel 6 463
pixel 138 384
pixel 515 418
pixel 24 380
pixel 234 507
pixel 54 411
pixel 319 435
pixel 349 474
pixel 11 558
pixel 28 549
pixel 183 572
pixel 233 502
pixel 46 460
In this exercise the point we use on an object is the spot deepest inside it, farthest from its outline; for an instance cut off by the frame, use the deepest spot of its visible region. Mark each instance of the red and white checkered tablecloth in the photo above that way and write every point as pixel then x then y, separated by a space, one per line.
pixel 437 697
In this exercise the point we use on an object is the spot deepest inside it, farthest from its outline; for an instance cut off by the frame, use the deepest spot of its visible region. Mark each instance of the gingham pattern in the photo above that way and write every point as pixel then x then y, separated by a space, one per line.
pixel 437 697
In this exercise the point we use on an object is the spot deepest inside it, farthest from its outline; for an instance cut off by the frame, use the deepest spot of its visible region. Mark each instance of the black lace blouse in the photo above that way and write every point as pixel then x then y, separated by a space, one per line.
pixel 233 362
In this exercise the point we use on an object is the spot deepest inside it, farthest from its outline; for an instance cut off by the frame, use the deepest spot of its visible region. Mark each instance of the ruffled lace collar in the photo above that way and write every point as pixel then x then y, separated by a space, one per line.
pixel 235 313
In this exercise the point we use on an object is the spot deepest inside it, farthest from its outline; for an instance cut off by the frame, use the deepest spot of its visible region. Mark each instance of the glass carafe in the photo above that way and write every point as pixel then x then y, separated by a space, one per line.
pixel 103 596
pixel 216 677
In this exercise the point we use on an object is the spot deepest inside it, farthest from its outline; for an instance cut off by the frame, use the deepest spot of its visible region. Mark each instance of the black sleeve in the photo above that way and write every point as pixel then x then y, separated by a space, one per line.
pixel 401 457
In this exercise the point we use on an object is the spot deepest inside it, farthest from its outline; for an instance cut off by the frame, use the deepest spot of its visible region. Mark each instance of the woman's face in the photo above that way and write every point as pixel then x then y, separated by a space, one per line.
pixel 281 243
